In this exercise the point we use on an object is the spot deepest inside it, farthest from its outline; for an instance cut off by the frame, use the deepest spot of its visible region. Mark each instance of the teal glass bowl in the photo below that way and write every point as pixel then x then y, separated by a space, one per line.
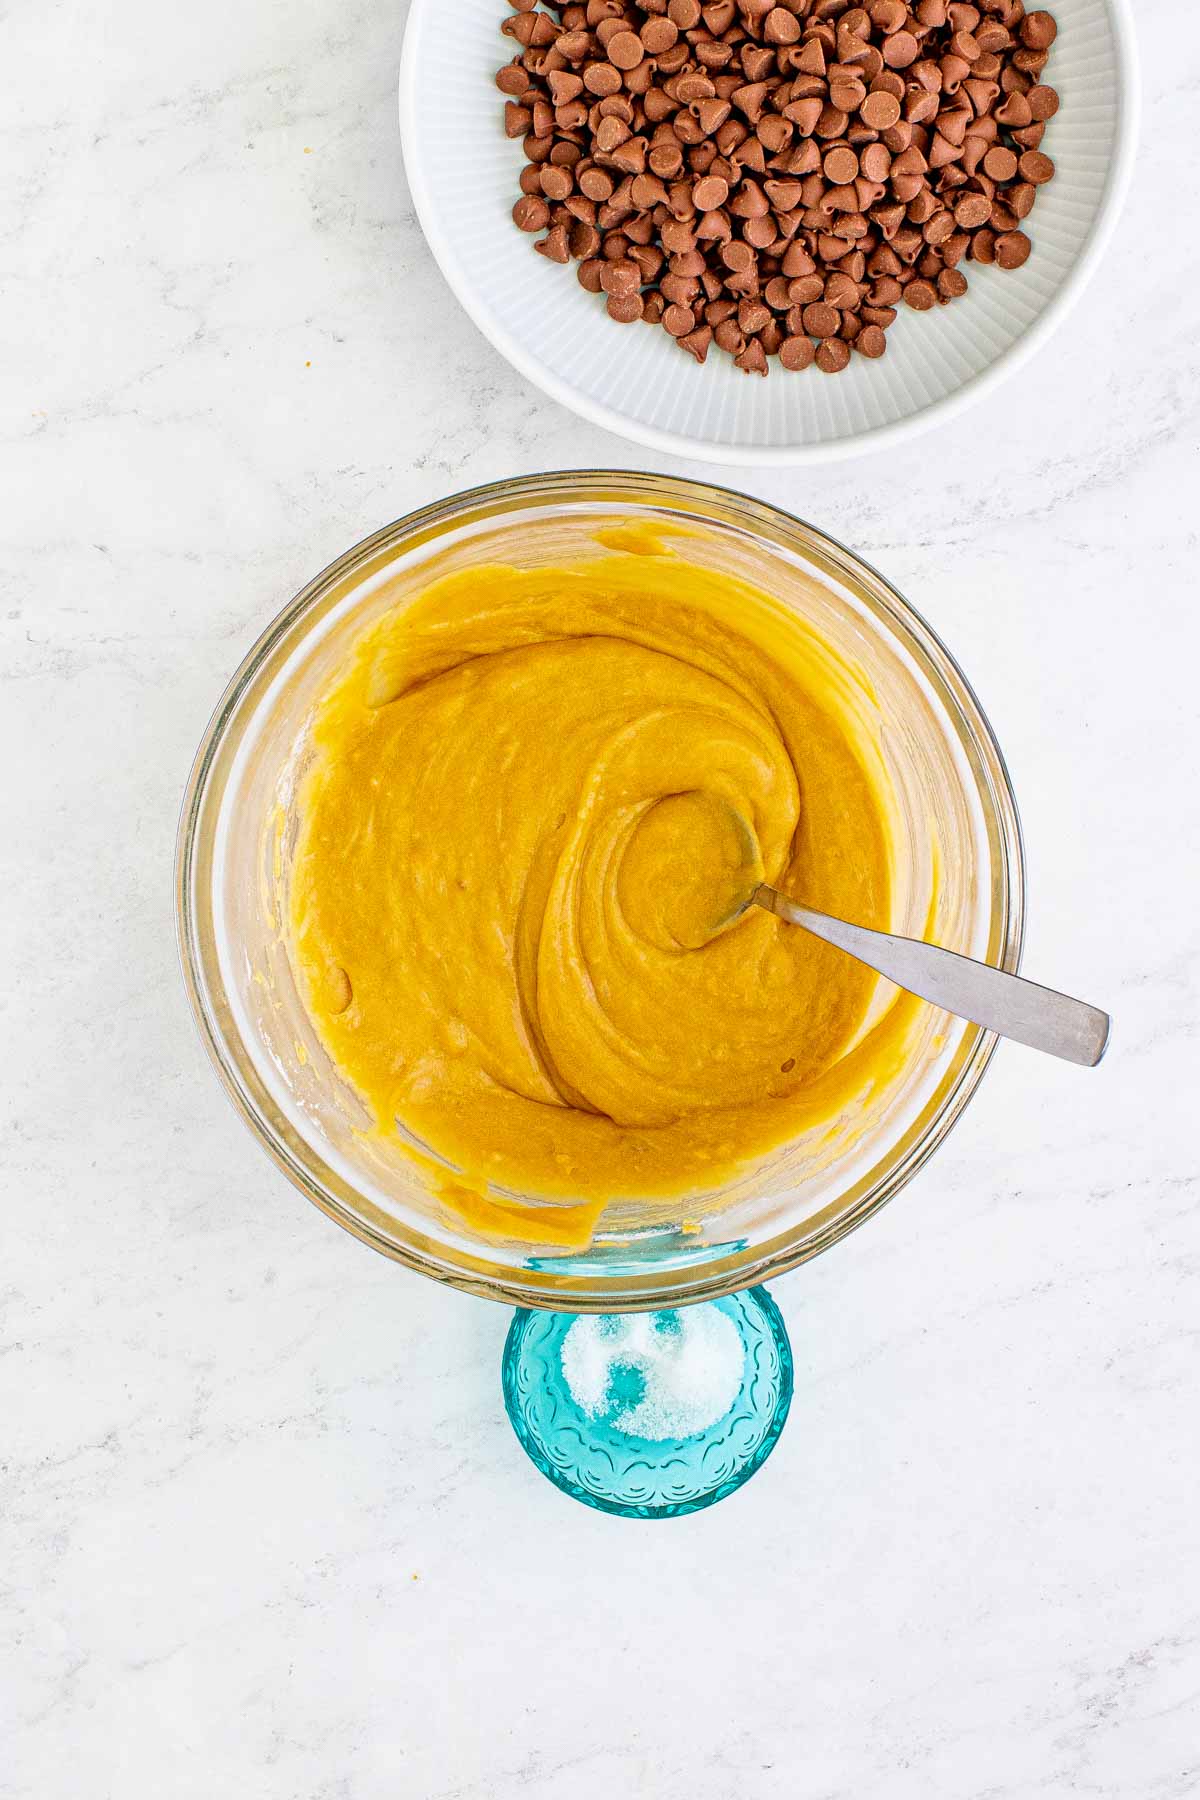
pixel 650 1415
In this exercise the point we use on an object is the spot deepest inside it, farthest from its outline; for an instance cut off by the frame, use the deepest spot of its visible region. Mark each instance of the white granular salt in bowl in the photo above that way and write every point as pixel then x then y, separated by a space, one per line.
pixel 690 1365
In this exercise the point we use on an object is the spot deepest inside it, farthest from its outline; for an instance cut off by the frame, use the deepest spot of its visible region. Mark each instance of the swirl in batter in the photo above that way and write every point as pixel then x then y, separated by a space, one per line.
pixel 538 801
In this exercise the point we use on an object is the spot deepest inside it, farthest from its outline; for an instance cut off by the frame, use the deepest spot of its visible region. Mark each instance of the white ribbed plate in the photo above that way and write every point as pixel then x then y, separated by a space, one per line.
pixel 634 380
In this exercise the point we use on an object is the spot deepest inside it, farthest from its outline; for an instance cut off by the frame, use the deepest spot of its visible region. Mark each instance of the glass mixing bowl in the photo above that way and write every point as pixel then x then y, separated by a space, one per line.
pixel 238 832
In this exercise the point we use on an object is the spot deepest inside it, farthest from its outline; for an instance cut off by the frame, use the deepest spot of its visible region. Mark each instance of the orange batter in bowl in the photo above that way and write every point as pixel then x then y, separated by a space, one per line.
pixel 536 801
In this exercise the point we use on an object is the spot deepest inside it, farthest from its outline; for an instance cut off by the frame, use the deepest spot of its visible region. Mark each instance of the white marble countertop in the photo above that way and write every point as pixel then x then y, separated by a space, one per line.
pixel 264 1530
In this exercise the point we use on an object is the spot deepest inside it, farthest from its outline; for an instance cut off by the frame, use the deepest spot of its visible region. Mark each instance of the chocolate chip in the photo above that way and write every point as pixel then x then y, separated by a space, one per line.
pixel 840 292
pixel 625 50
pixel 821 321
pixel 679 320
pixel 620 277
pixel 513 79
pixel 847 94
pixel 833 356
pixel 1000 164
pixel 625 308
pixel 556 182
pixel 531 213
pixel 900 50
pixel 697 342
pixel 555 245
pixel 658 35
pixel 806 288
pixel 920 295
pixel 753 359
pixel 841 165
pixel 709 193
pixel 781 27
pixel 596 184
pixel 1043 103
pixel 1036 168
pixel 602 78
pixel 1021 197
pixel 1012 249
pixel 1038 30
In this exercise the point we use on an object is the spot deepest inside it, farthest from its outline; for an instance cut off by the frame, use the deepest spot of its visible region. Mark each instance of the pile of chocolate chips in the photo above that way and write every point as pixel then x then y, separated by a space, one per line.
pixel 777 176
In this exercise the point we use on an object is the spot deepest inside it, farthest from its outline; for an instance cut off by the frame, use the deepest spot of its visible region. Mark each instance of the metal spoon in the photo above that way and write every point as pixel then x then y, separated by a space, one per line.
pixel 1018 1009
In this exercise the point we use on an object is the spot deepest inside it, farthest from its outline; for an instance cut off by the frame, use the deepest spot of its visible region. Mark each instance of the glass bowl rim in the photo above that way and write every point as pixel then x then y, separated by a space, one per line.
pixel 530 1288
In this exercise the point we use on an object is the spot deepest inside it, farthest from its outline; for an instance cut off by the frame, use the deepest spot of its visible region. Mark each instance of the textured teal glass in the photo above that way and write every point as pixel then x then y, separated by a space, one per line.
pixel 596 1455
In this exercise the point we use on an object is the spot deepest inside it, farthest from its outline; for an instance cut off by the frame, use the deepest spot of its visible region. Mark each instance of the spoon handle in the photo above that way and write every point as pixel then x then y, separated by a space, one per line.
pixel 1003 1003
